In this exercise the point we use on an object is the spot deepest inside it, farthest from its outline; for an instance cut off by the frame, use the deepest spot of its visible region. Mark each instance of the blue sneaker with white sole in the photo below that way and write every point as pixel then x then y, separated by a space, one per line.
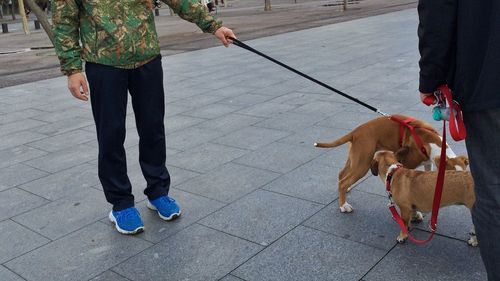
pixel 166 207
pixel 127 221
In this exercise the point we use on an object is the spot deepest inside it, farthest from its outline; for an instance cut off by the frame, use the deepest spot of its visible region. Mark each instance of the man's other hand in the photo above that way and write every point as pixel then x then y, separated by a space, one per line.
pixel 77 85
pixel 223 34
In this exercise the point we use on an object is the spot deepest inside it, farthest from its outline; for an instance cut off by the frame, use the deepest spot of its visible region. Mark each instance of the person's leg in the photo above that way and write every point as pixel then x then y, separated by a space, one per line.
pixel 483 139
pixel 148 101
pixel 108 96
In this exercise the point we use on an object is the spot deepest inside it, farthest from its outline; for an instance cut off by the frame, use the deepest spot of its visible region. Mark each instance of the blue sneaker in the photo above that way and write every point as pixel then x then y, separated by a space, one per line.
pixel 166 207
pixel 127 221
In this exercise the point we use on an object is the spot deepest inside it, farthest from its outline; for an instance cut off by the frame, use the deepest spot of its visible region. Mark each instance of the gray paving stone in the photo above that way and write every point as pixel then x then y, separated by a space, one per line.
pixel 252 137
pixel 234 91
pixel 228 182
pixel 371 222
pixel 229 123
pixel 7 275
pixel 261 216
pixel 109 276
pixel 307 254
pixel 312 181
pixel 63 126
pixel 333 157
pixel 19 115
pixel 205 157
pixel 64 183
pixel 212 111
pixel 371 184
pixel 199 101
pixel 70 113
pixel 345 120
pixel 18 154
pixel 18 126
pixel 289 121
pixel 63 141
pixel 267 109
pixel 323 108
pixel 179 122
pixel 245 99
pixel 16 240
pixel 441 259
pixel 67 214
pixel 231 278
pixel 308 136
pixel 64 159
pixel 196 253
pixel 18 174
pixel 15 201
pixel 78 256
pixel 19 138
pixel 277 157
pixel 191 137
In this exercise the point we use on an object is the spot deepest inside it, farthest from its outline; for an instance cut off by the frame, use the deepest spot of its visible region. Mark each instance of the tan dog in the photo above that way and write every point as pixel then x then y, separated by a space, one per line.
pixel 383 134
pixel 413 190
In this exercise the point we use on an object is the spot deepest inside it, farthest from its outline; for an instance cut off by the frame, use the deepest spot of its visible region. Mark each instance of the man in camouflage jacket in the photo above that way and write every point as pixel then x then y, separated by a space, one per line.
pixel 120 47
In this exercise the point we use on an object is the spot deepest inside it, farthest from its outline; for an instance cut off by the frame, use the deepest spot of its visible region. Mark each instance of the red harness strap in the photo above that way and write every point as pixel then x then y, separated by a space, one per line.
pixel 437 196
pixel 406 124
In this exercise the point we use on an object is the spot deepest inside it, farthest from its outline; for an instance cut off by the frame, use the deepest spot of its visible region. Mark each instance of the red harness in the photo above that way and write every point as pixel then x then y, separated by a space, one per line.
pixel 405 124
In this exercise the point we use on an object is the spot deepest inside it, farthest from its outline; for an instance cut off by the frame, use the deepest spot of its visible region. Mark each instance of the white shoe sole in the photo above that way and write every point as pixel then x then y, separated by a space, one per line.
pixel 123 231
pixel 171 217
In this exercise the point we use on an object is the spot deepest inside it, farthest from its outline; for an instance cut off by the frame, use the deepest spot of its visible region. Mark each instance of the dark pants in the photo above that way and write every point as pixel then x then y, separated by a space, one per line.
pixel 108 95
pixel 483 146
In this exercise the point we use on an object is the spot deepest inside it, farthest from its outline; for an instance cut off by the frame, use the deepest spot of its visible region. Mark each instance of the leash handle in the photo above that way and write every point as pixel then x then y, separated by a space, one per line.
pixel 457 126
pixel 248 48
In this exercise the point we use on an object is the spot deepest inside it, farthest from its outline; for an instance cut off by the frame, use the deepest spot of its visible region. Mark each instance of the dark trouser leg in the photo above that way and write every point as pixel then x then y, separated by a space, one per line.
pixel 483 145
pixel 108 96
pixel 148 101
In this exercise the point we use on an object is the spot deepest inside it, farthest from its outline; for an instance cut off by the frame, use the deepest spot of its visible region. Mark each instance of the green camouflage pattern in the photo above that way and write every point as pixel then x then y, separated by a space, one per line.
pixel 119 33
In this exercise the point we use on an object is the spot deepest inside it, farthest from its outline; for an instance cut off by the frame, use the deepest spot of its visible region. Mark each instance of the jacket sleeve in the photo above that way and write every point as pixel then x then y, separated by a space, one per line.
pixel 436 33
pixel 194 11
pixel 65 20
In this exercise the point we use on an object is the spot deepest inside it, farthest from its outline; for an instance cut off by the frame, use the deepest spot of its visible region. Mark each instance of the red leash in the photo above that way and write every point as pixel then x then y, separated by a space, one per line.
pixel 458 132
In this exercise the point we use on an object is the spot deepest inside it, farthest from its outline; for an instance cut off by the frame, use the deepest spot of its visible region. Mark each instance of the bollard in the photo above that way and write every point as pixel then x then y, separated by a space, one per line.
pixel 5 28
pixel 157 12
pixel 37 24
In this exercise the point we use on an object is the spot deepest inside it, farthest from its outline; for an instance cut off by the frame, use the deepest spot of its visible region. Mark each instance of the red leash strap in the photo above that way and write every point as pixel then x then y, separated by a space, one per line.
pixel 437 196
pixel 406 124
pixel 457 126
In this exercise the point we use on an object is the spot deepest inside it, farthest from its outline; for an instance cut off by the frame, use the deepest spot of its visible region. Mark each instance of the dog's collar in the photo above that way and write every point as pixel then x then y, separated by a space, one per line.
pixel 390 173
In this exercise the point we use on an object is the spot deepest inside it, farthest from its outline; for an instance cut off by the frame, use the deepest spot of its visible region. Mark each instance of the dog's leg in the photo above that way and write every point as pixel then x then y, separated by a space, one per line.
pixel 344 184
pixel 473 238
pixel 406 216
pixel 417 217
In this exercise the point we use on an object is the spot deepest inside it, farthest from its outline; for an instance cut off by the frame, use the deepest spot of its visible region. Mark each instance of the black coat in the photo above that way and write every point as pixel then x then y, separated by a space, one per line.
pixel 460 45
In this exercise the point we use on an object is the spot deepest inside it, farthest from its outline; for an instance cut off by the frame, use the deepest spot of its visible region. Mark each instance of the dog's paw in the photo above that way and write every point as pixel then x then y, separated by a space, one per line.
pixel 401 239
pixel 346 208
pixel 418 217
pixel 473 241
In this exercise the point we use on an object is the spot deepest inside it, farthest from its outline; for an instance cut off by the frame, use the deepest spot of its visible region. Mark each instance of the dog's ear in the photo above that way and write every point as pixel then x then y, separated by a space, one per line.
pixel 401 153
pixel 374 167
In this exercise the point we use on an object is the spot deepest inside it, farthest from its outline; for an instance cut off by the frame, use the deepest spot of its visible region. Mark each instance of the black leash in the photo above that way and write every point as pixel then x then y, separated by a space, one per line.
pixel 246 47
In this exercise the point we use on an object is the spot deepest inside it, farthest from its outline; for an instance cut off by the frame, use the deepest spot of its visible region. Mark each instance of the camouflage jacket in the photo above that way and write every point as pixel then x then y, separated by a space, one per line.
pixel 119 33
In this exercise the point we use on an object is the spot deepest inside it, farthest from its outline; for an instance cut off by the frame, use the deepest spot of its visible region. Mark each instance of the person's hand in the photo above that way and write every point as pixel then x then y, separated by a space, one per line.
pixel 424 96
pixel 77 85
pixel 223 34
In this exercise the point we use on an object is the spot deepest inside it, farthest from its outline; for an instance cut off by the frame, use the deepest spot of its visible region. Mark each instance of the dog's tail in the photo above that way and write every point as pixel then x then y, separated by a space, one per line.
pixel 335 143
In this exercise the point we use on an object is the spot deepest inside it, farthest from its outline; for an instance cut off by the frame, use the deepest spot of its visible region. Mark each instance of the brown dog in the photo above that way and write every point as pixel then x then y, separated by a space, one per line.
pixel 384 134
pixel 414 190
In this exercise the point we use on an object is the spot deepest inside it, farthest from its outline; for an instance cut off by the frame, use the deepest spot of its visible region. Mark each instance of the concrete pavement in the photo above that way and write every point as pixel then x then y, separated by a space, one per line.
pixel 259 201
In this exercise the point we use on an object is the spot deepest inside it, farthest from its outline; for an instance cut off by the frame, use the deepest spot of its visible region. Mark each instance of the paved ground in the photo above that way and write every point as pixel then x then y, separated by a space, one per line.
pixel 260 202
pixel 246 17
